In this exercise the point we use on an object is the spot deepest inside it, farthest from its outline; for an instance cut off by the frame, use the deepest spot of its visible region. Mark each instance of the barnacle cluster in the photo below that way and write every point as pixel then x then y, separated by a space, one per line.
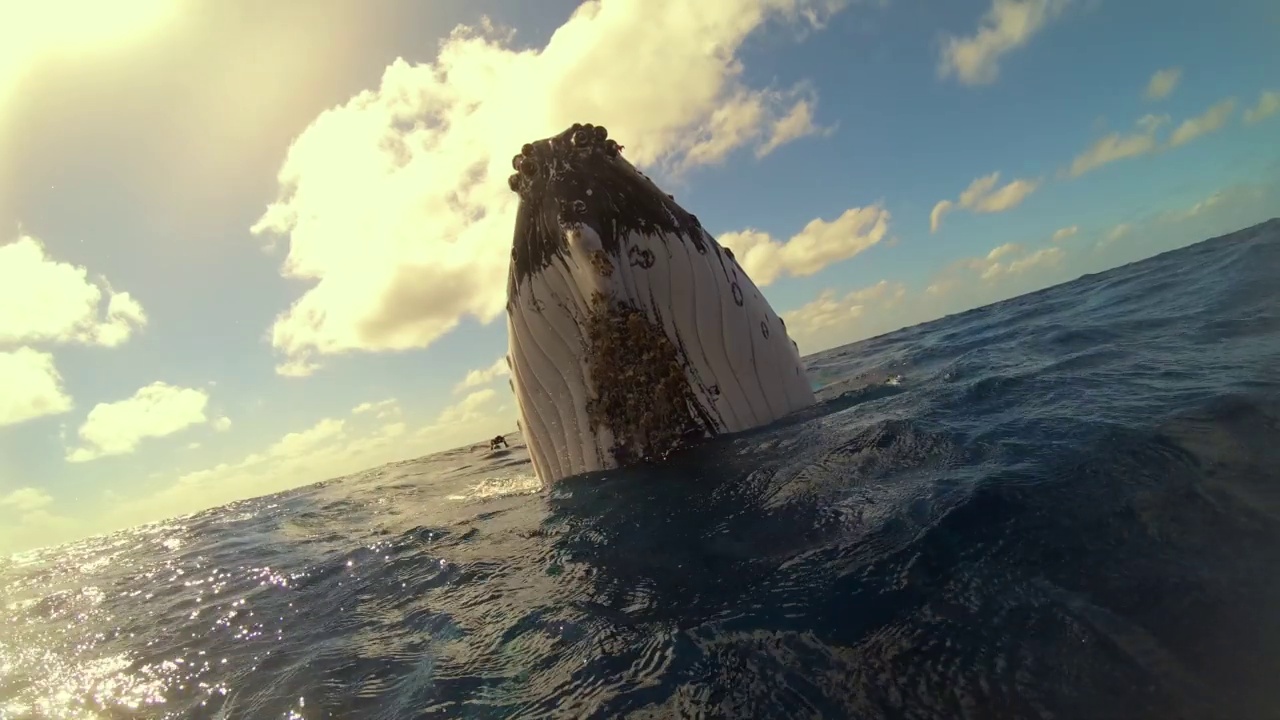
pixel 641 392
pixel 601 262
pixel 579 138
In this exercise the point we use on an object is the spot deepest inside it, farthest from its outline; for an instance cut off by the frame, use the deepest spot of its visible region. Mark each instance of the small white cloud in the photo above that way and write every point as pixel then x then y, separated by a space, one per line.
pixel 379 409
pixel 1007 26
pixel 469 409
pixel 222 424
pixel 296 367
pixel 1039 258
pixel 1063 233
pixel 1162 83
pixel 297 444
pixel 1214 200
pixel 1209 121
pixel 1111 148
pixel 794 125
pixel 27 520
pixel 154 411
pixel 833 319
pixel 43 300
pixel 25 500
pixel 329 448
pixel 819 244
pixel 479 414
pixel 1151 123
pixel 30 387
pixel 747 118
pixel 939 210
pixel 1118 232
pixel 1001 262
pixel 1006 270
pixel 193 446
pixel 1119 146
pixel 982 196
pixel 1002 251
pixel 417 167
pixel 1268 105
pixel 482 377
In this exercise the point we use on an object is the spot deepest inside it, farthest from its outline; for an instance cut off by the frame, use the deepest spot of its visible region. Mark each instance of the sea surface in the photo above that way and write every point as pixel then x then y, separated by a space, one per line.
pixel 1065 505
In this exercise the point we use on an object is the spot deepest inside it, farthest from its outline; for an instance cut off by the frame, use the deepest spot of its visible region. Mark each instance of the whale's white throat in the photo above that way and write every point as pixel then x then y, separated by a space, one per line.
pixel 631 331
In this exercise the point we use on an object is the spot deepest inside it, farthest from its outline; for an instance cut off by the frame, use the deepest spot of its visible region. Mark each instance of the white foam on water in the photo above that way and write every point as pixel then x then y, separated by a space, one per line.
pixel 494 487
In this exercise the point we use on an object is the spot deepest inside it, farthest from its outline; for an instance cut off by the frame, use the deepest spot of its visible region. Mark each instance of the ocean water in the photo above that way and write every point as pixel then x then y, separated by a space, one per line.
pixel 1065 505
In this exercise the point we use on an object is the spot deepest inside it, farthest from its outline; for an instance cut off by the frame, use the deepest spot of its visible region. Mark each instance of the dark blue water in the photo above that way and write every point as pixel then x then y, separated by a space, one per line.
pixel 1066 505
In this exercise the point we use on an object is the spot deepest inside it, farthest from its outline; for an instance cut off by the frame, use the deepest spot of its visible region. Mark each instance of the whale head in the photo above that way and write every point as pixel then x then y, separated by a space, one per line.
pixel 631 331
pixel 580 180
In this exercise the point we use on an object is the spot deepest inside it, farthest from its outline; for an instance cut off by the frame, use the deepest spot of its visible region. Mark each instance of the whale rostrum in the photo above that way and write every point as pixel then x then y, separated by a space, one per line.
pixel 631 331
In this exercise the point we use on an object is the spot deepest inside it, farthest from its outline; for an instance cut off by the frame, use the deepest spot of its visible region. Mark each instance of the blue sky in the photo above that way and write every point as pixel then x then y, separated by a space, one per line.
pixel 246 250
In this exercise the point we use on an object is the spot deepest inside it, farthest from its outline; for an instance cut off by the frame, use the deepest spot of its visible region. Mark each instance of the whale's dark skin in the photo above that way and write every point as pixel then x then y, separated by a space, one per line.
pixel 580 177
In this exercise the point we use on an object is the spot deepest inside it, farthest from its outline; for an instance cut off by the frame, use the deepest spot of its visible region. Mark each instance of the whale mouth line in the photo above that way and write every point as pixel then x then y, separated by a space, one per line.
pixel 632 333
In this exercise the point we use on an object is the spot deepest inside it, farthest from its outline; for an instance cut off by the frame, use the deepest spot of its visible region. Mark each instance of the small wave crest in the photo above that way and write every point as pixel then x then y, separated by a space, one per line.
pixel 496 487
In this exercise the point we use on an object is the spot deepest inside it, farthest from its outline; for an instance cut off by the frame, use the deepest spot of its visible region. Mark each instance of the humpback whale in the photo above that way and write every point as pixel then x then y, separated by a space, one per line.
pixel 631 331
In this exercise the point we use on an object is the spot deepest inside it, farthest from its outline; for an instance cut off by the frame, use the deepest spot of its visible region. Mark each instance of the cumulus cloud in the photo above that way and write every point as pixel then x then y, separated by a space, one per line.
pixel 1119 146
pixel 296 444
pixel 1063 233
pixel 1014 259
pixel 1224 210
pixel 379 409
pixel 222 424
pixel 819 244
pixel 1268 105
pixel 796 124
pixel 982 196
pixel 1117 232
pixel 1162 83
pixel 1209 121
pixel 30 386
pixel 469 408
pixel 27 520
pixel 1200 207
pixel 833 319
pixel 1010 269
pixel 482 377
pixel 395 204
pixel 296 367
pixel 372 435
pixel 154 411
pixel 329 448
pixel 25 500
pixel 480 414
pixel 977 277
pixel 44 300
pixel 1006 26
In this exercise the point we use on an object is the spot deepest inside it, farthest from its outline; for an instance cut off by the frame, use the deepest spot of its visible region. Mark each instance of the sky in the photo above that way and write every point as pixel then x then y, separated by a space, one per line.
pixel 248 246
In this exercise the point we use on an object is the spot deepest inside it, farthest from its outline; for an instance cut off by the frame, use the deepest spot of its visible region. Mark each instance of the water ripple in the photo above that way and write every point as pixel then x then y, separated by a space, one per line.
pixel 1061 506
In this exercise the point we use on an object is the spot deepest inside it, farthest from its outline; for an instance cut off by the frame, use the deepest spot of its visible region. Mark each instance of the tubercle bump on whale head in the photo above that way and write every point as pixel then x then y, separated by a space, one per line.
pixel 541 161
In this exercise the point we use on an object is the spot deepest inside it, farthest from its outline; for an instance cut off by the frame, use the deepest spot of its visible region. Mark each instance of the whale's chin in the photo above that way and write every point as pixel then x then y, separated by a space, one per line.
pixel 631 331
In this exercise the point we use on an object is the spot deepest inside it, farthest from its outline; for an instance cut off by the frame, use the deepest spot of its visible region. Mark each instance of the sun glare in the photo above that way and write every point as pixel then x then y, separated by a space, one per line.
pixel 31 30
